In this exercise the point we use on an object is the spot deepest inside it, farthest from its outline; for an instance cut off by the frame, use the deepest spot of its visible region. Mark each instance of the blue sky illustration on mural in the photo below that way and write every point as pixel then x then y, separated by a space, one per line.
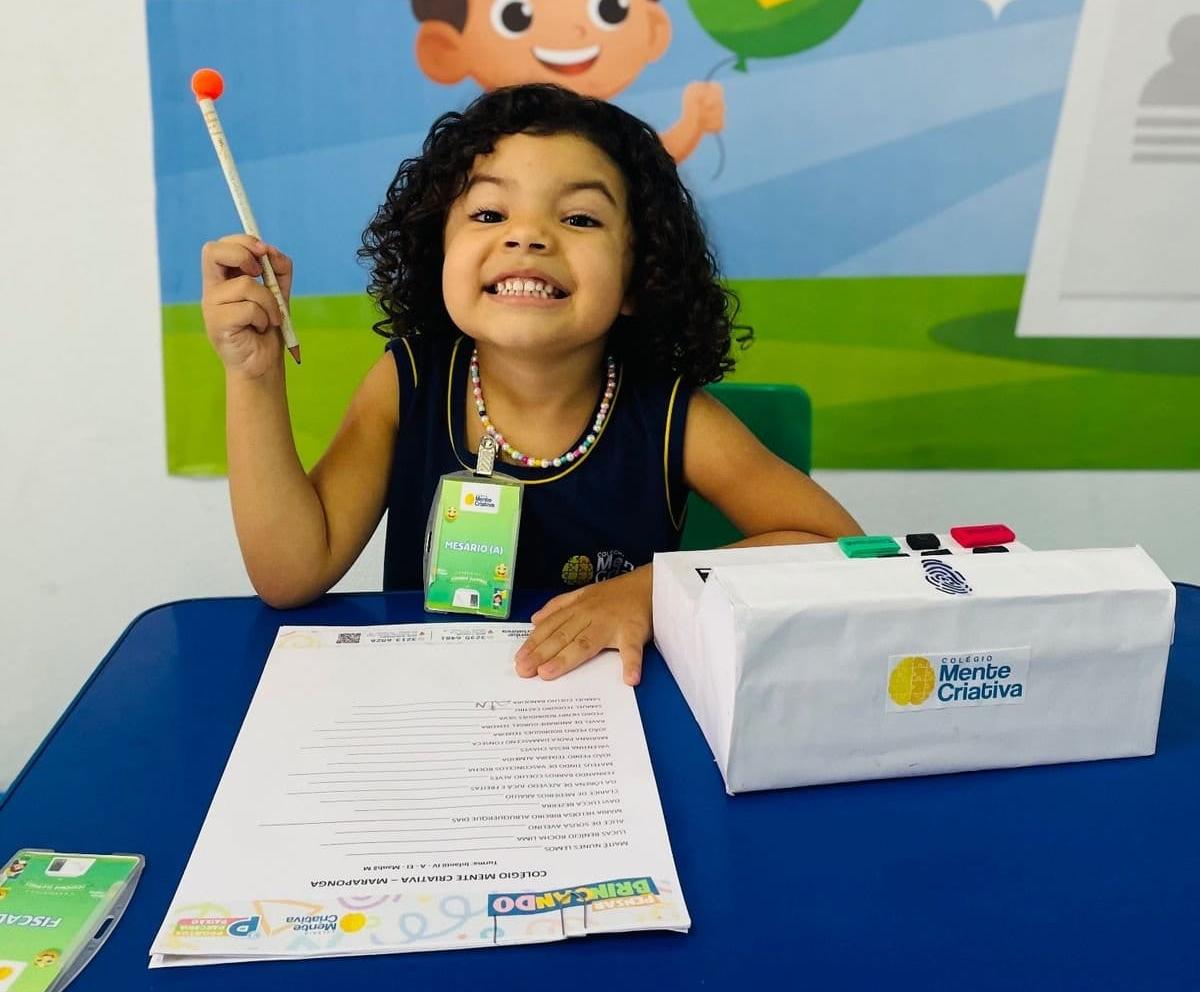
pixel 914 141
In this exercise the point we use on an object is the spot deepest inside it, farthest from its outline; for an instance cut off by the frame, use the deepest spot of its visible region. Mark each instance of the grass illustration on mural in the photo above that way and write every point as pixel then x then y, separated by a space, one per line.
pixel 906 372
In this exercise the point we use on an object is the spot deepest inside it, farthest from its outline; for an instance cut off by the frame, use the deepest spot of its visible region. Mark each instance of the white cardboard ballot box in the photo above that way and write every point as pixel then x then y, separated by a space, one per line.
pixel 803 666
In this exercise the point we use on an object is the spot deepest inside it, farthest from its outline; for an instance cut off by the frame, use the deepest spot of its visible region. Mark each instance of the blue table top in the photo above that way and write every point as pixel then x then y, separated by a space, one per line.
pixel 1081 876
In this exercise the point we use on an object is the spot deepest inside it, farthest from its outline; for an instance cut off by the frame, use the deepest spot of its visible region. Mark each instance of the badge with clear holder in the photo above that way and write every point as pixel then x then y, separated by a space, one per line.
pixel 471 540
pixel 56 910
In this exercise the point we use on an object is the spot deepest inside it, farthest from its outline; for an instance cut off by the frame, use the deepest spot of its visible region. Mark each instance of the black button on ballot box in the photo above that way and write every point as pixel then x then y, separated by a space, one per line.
pixel 922 542
pixel 991 549
pixel 936 551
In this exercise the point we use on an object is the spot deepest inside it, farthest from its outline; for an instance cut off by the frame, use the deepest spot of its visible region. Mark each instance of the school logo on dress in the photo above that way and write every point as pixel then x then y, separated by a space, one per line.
pixel 945 578
pixel 577 570
pixel 610 564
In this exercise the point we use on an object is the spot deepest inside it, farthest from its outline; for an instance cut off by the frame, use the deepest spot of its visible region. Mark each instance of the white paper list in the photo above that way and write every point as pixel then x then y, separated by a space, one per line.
pixel 401 788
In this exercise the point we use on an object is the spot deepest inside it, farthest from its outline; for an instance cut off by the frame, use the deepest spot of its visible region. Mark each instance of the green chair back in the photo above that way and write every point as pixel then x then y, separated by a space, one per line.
pixel 781 417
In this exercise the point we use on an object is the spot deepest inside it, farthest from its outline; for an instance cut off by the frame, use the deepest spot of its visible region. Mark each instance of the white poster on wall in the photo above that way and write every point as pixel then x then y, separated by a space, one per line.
pixel 1118 239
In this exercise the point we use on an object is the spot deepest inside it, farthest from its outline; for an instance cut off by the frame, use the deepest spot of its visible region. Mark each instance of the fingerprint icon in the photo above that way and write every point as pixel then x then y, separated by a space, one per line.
pixel 945 577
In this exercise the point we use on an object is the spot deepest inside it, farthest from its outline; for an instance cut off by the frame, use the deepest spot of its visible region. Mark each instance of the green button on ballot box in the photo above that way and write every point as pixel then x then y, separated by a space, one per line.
pixel 869 546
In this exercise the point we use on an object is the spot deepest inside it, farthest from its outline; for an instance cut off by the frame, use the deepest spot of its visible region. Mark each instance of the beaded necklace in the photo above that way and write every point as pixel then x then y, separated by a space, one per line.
pixel 518 457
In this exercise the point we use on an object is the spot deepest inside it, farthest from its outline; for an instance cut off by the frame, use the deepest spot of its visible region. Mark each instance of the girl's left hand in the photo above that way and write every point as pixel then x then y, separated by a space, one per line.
pixel 578 625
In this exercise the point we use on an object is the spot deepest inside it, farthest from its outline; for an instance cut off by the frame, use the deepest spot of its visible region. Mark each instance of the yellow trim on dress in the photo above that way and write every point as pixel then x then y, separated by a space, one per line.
pixel 411 361
pixel 528 482
pixel 677 524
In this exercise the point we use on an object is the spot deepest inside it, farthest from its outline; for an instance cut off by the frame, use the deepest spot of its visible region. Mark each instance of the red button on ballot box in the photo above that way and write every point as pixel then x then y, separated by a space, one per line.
pixel 975 537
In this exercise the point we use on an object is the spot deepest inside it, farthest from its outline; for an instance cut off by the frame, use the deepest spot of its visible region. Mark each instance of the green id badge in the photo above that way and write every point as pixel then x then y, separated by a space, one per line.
pixel 471 541
pixel 55 912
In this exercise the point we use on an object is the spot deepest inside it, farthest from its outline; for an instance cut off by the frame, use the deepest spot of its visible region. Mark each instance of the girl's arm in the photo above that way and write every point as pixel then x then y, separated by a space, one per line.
pixel 298 533
pixel 762 495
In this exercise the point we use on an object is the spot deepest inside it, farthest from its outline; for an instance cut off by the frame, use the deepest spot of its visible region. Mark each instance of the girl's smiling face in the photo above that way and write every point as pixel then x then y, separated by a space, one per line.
pixel 538 249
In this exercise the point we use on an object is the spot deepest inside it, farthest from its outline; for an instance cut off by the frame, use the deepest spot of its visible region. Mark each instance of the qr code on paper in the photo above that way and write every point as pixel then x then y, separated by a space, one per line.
pixel 349 637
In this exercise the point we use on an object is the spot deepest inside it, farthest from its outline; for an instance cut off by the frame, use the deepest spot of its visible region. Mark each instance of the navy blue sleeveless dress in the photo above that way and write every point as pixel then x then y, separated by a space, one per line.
pixel 602 515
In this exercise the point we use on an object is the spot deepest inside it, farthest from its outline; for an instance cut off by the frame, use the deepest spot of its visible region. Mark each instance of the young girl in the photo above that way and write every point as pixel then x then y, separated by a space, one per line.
pixel 543 275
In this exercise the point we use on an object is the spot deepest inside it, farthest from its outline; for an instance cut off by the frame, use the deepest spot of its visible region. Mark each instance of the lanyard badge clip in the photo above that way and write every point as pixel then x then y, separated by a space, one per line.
pixel 485 460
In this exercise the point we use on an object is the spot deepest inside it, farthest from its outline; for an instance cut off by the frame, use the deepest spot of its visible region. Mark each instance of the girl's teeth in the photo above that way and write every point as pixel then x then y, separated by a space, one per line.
pixel 525 287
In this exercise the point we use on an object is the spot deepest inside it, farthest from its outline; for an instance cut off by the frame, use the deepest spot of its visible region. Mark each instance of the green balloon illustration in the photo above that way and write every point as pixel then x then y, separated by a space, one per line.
pixel 766 29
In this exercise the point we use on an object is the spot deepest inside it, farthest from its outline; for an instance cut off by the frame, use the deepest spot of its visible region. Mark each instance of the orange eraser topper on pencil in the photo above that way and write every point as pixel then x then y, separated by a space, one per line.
pixel 208 86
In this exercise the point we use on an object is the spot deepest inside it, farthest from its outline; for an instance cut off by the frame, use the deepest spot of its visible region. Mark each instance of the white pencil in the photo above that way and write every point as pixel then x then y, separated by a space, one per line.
pixel 208 85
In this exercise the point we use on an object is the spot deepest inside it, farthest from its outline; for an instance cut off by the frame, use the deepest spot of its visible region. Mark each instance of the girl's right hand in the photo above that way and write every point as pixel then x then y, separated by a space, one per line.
pixel 240 314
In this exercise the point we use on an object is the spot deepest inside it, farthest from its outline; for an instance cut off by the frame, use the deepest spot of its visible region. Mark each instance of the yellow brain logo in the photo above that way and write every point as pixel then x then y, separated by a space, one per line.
pixel 577 570
pixel 352 922
pixel 469 499
pixel 911 681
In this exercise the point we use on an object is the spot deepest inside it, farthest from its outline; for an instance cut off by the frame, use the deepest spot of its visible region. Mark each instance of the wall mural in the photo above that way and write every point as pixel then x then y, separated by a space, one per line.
pixel 872 174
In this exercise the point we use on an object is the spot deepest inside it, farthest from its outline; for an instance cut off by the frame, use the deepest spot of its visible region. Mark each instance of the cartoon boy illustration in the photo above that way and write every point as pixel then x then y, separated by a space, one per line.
pixel 44 959
pixel 15 869
pixel 594 47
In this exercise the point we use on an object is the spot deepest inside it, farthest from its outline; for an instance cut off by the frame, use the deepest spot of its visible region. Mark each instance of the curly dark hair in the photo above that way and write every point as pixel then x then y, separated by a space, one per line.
pixel 684 318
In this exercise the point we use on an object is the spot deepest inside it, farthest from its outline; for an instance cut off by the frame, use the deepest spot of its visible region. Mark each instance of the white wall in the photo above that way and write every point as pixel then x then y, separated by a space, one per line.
pixel 95 532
